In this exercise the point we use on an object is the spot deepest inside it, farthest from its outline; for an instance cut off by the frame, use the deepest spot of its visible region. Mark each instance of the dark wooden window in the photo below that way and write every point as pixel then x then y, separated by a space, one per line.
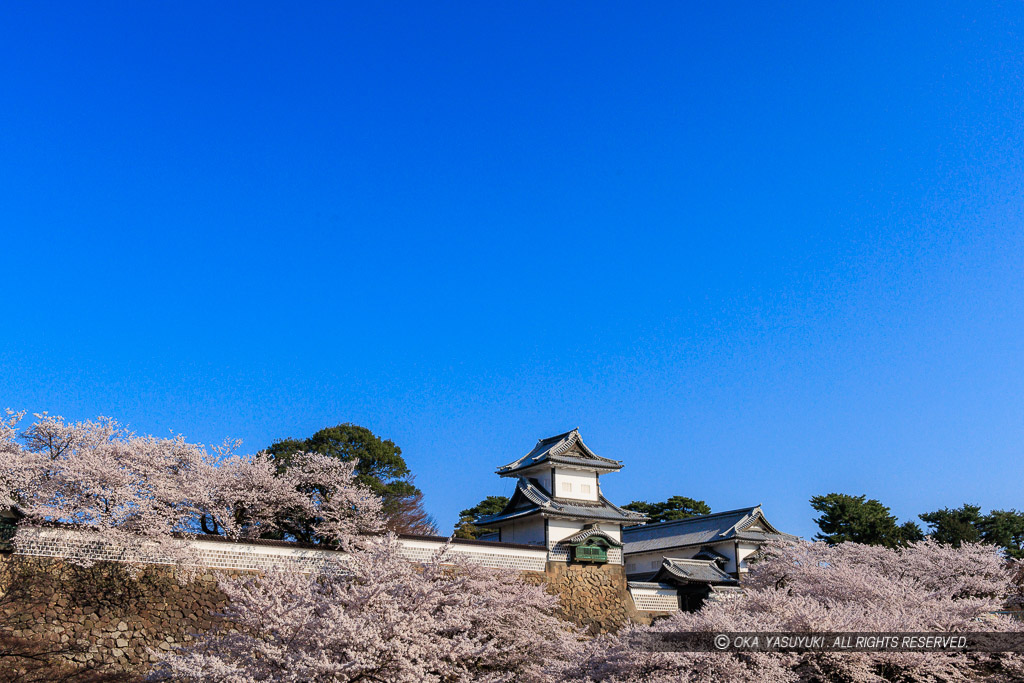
pixel 591 553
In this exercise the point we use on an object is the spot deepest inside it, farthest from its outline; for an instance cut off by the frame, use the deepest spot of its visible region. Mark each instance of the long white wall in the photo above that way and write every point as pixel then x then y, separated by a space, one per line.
pixel 654 597
pixel 522 559
pixel 644 563
pixel 72 544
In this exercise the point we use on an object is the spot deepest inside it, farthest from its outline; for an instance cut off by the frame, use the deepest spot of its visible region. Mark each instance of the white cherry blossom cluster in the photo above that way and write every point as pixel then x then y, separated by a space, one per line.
pixel 850 587
pixel 383 619
pixel 149 496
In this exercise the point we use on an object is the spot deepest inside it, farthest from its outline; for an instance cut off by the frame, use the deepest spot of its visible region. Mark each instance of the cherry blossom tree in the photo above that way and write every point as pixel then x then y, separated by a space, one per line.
pixel 245 497
pixel 382 618
pixel 849 587
pixel 374 616
pixel 148 496
pixel 378 616
pixel 131 491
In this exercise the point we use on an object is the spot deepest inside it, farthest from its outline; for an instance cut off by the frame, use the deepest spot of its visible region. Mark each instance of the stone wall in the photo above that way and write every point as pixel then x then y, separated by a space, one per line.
pixel 593 596
pixel 102 617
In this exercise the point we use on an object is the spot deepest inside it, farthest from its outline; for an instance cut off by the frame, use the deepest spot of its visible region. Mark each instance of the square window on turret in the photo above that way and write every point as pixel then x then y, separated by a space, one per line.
pixel 566 487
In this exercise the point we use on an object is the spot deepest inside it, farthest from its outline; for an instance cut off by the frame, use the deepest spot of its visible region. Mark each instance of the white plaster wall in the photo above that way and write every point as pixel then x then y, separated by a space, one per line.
pixel 559 529
pixel 746 550
pixel 655 599
pixel 612 529
pixel 643 563
pixel 257 557
pixel 544 477
pixel 429 544
pixel 729 550
pixel 576 481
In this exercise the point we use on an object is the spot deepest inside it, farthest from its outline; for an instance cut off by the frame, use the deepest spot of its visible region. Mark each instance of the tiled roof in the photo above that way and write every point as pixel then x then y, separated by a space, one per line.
pixel 531 498
pixel 691 571
pixel 701 530
pixel 592 530
pixel 567 449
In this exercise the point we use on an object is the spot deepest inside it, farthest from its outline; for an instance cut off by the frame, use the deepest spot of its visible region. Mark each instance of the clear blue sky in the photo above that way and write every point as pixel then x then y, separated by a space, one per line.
pixel 758 253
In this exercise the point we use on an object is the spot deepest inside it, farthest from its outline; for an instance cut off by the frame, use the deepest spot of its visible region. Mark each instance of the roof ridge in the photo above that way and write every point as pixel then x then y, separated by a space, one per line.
pixel 623 510
pixel 559 436
pixel 691 518
pixel 587 532
pixel 551 448
pixel 689 559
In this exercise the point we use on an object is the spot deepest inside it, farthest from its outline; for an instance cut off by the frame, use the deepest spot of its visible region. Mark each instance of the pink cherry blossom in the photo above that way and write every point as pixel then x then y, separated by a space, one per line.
pixel 148 496
pixel 382 619
pixel 845 588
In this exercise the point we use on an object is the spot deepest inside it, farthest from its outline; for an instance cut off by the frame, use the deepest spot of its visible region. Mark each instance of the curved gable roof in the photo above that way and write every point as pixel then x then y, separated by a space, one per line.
pixel 592 530
pixel 567 449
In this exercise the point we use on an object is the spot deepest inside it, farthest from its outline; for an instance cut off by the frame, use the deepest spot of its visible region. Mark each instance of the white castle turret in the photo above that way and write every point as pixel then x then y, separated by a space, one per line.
pixel 558 503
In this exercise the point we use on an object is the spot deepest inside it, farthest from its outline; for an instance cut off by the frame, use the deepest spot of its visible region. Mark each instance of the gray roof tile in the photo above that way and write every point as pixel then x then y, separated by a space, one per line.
pixel 700 530
pixel 567 448
pixel 530 498
pixel 691 571
pixel 592 530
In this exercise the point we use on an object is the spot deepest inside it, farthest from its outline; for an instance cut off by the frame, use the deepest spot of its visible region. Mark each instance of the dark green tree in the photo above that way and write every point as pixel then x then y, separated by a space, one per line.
pixel 466 526
pixel 380 467
pixel 676 507
pixel 910 532
pixel 1004 528
pixel 854 518
pixel 954 526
